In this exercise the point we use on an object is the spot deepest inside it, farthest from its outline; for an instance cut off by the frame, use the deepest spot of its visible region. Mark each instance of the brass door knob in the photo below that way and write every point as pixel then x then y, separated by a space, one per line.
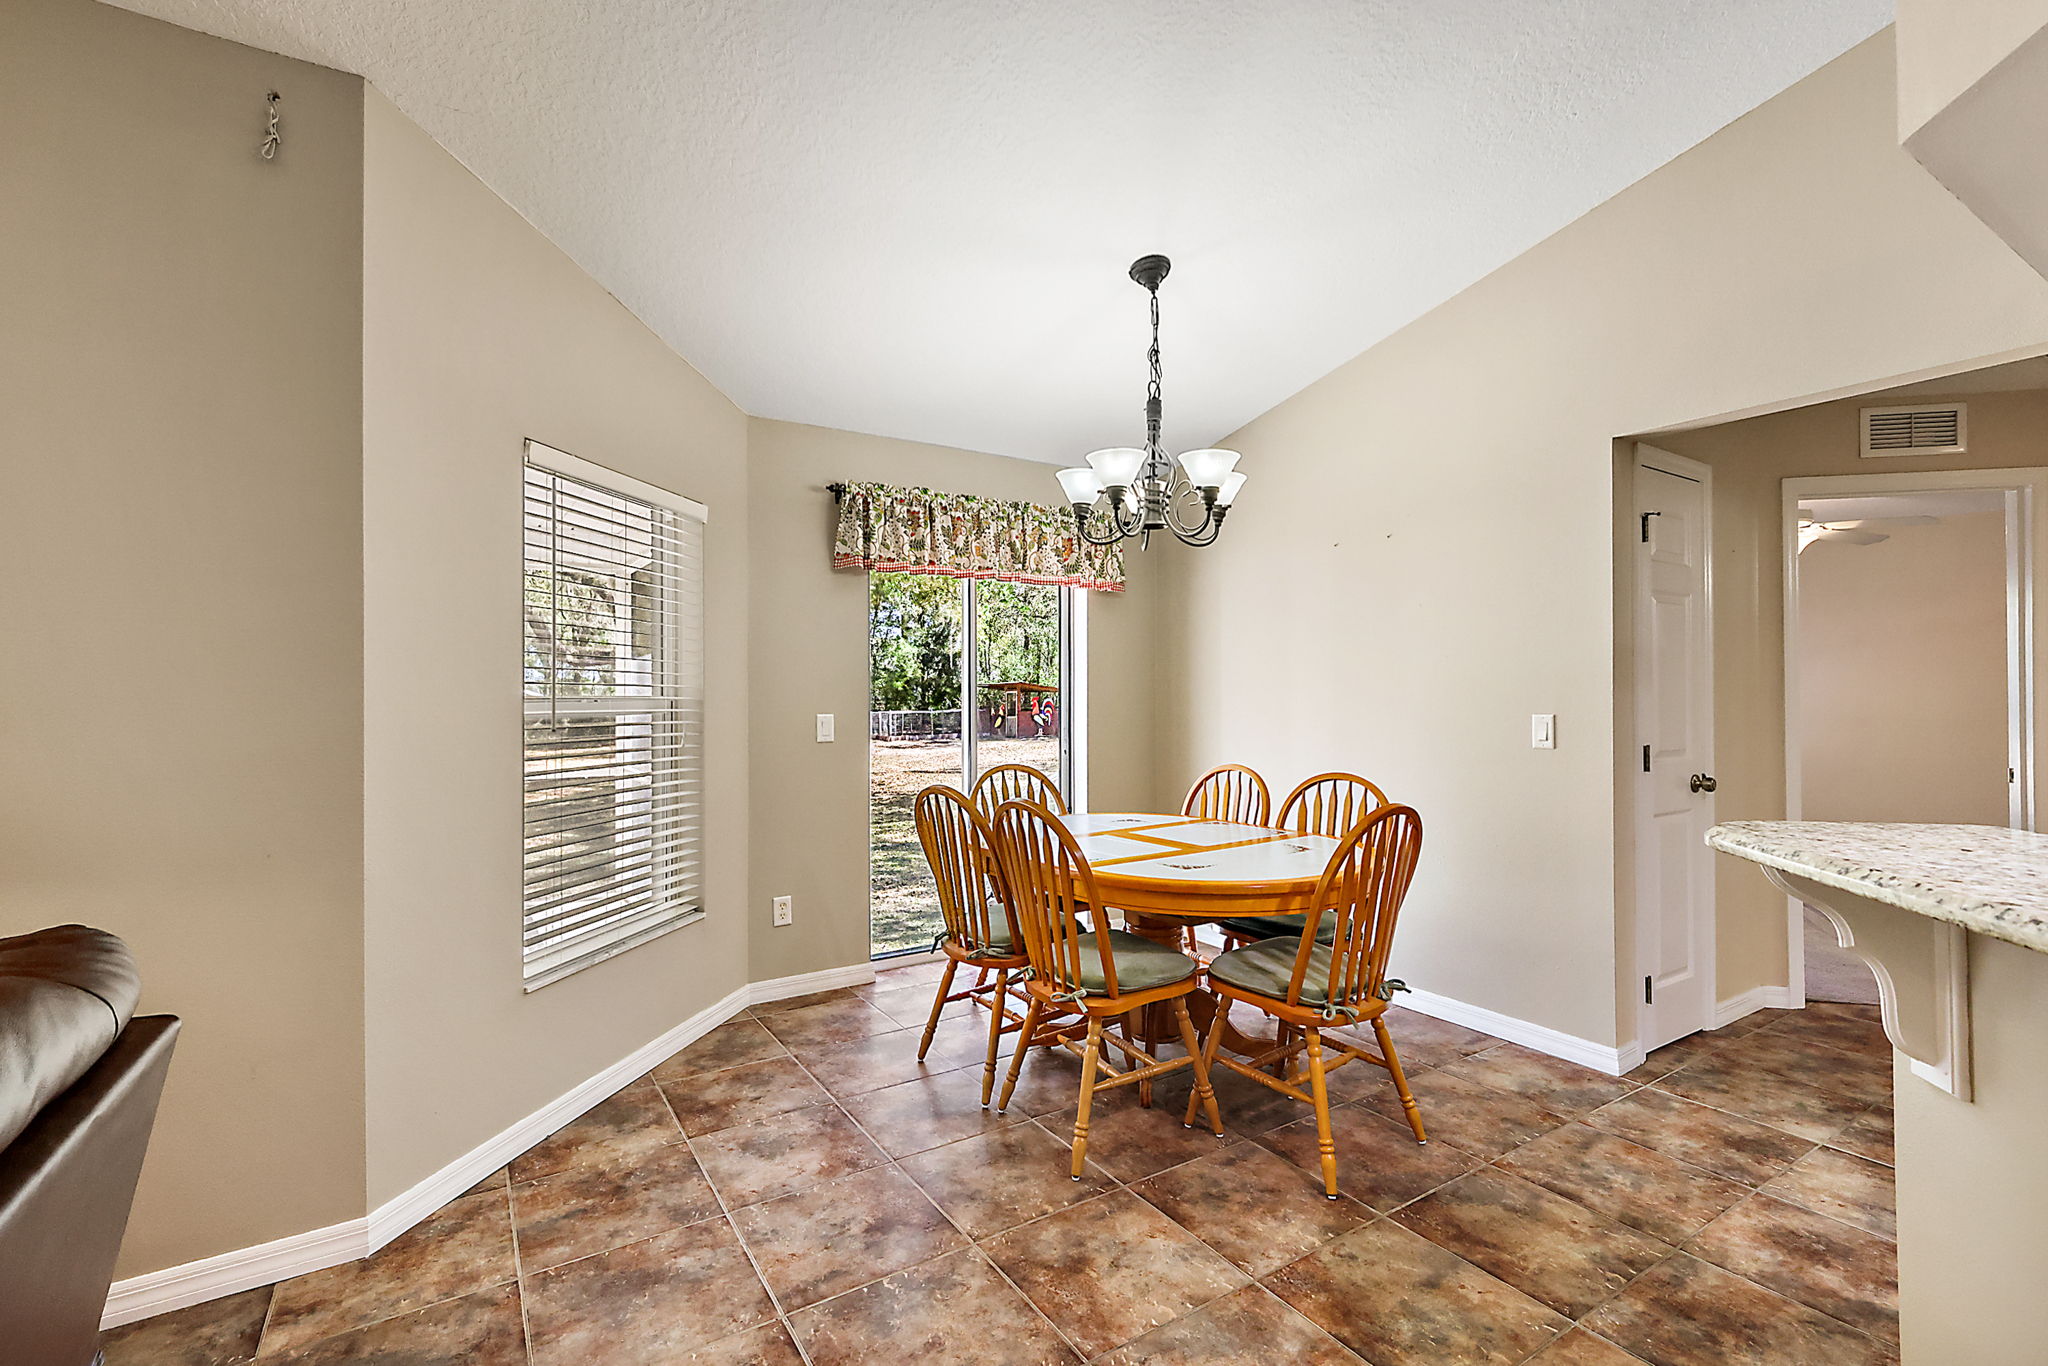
pixel 1703 782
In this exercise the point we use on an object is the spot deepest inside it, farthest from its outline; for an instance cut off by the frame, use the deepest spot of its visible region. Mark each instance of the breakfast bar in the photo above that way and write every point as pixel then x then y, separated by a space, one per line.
pixel 1953 921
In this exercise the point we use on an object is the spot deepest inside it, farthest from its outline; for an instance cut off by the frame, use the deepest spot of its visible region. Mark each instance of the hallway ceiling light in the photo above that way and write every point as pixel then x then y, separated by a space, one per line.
pixel 1126 491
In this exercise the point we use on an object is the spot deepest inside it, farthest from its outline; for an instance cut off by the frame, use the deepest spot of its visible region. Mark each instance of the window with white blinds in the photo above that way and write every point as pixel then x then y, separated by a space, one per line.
pixel 614 696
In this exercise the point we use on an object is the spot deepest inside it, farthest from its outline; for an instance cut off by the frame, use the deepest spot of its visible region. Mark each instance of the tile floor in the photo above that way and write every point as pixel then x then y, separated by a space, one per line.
pixel 795 1187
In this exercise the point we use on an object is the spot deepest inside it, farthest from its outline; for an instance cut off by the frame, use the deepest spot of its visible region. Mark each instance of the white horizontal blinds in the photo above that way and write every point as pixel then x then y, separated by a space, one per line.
pixel 614 685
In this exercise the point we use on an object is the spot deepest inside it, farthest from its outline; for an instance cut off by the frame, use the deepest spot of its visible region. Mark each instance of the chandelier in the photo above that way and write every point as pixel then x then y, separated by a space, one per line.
pixel 1124 491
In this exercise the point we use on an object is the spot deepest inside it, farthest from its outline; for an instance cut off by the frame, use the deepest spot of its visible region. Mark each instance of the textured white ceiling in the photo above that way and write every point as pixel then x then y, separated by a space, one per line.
pixel 913 217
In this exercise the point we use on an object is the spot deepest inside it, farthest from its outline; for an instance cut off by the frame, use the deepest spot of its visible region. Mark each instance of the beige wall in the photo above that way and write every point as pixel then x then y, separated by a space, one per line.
pixel 1426 553
pixel 181 693
pixel 1750 460
pixel 479 333
pixel 1902 675
pixel 810 654
pixel 1947 46
pixel 1972 1186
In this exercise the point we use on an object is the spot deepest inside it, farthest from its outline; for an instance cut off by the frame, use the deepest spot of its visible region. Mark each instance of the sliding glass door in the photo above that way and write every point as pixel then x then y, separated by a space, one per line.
pixel 964 674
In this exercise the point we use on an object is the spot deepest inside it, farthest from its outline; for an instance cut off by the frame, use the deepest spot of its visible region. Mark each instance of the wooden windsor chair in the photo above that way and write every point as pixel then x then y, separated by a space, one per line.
pixel 1017 782
pixel 1310 987
pixel 1097 974
pixel 1229 792
pixel 1328 804
pixel 980 930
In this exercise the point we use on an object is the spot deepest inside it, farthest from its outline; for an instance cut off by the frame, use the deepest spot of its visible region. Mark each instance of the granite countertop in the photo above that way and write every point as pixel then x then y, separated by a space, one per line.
pixel 1984 878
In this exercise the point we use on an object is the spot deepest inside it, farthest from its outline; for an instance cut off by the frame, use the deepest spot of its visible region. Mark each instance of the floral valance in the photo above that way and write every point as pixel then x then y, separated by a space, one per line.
pixel 924 531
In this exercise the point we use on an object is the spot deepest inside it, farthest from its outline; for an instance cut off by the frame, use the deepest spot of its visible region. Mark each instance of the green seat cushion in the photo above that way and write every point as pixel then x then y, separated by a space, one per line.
pixel 1267 966
pixel 1277 927
pixel 1140 963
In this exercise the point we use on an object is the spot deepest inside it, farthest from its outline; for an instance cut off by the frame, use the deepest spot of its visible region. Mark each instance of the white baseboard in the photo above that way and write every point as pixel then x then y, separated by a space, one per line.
pixel 1558 1044
pixel 804 983
pixel 1728 1011
pixel 159 1292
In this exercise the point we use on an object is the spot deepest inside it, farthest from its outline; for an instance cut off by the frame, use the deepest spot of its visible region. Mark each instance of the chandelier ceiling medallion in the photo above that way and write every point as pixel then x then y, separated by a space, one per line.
pixel 1125 491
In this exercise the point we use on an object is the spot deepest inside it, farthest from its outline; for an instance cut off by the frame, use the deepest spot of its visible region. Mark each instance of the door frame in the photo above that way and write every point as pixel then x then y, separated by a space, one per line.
pixel 2024 489
pixel 1706 935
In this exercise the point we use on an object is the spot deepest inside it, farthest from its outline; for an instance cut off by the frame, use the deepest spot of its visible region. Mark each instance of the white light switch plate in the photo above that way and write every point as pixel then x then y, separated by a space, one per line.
pixel 824 726
pixel 1543 730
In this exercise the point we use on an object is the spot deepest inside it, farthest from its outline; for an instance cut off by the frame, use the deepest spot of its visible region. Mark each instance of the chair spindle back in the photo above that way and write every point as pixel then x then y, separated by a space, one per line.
pixel 1362 888
pixel 1229 792
pixel 1051 884
pixel 1017 782
pixel 1330 804
pixel 961 850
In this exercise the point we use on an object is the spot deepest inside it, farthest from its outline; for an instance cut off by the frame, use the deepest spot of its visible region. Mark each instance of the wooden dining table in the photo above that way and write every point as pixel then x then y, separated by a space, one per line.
pixel 1168 874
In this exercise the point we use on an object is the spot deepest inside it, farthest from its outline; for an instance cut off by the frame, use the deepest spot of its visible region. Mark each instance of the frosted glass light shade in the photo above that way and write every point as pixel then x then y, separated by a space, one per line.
pixel 1208 468
pixel 1081 485
pixel 1117 467
pixel 1232 482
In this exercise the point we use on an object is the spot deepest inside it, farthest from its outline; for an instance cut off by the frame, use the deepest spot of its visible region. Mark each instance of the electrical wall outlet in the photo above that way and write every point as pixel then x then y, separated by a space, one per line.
pixel 825 726
pixel 784 912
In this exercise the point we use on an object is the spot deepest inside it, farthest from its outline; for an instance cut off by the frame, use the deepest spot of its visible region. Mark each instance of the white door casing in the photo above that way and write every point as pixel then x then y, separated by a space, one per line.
pixel 1674 711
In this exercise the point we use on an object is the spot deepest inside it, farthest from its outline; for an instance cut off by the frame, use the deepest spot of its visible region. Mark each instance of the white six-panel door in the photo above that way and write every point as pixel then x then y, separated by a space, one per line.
pixel 1674 750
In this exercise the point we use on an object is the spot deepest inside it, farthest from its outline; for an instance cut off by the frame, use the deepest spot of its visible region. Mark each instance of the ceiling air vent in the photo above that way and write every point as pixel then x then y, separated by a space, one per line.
pixel 1918 429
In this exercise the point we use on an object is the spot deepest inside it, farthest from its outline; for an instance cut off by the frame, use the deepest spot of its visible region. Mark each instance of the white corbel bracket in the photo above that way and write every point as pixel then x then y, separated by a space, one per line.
pixel 1923 976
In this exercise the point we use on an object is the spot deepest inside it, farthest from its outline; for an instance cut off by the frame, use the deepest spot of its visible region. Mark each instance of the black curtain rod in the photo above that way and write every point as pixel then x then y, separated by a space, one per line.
pixel 837 491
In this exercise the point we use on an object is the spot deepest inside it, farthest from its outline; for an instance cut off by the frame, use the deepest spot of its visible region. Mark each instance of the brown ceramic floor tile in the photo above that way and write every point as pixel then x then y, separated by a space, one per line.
pixel 1553 1083
pixel 1852 1028
pixel 464 1246
pixel 915 1115
pixel 869 1064
pixel 1850 1188
pixel 1246 1325
pixel 1724 1144
pixel 1750 1023
pixel 481 1329
pixel 1253 1206
pixel 1552 1249
pixel 768 1345
pixel 1862 1077
pixel 1050 1081
pixel 618 1128
pixel 1111 1270
pixel 1674 1055
pixel 494 1181
pixel 1448 1309
pixel 842 1234
pixel 814 998
pixel 648 1303
pixel 732 1044
pixel 740 1095
pixel 832 1022
pixel 1131 1142
pixel 1581 1348
pixel 784 1154
pixel 1378 1162
pixel 221 1332
pixel 1467 1114
pixel 1405 1024
pixel 1645 1190
pixel 911 1006
pixel 587 1210
pixel 1245 1106
pixel 1683 1312
pixel 897 978
pixel 1869 1135
pixel 1823 1263
pixel 954 1309
pixel 1723 1082
pixel 1000 1179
